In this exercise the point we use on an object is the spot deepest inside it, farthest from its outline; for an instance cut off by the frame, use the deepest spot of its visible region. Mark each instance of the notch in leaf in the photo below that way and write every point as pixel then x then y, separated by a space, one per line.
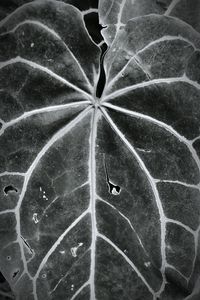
pixel 15 273
pixel 113 189
pixel 10 189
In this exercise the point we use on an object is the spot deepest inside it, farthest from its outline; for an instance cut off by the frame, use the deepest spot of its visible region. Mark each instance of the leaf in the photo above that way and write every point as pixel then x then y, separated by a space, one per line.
pixel 87 7
pixel 152 101
pixel 9 6
pixel 115 14
pixel 99 196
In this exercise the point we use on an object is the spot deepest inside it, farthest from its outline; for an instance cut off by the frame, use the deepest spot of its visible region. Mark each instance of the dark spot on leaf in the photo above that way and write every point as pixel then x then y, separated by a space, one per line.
pixel 162 4
pixel 8 257
pixel 93 27
pixel 15 273
pixel 27 245
pixel 114 189
pixel 10 189
pixel 102 77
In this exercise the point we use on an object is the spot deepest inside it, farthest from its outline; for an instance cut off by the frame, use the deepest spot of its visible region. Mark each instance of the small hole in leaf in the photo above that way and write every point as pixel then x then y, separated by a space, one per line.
pixel 15 273
pixel 10 189
pixel 114 189
pixel 27 245
pixel 44 276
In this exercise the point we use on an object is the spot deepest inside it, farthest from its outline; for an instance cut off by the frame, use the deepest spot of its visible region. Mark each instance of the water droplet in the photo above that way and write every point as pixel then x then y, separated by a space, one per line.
pixel 169 247
pixel 75 249
pixel 43 194
pixel 72 287
pixel 45 197
pixel 44 276
pixel 35 218
pixel 147 264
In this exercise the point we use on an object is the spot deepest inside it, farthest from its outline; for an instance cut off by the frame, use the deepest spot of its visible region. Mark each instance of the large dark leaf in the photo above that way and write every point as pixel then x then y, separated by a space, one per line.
pixel 99 197
pixel 87 7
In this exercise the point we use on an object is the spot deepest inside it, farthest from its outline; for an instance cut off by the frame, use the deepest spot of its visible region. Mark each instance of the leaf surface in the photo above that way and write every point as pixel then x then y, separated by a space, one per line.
pixel 116 13
pixel 99 197
pixel 88 8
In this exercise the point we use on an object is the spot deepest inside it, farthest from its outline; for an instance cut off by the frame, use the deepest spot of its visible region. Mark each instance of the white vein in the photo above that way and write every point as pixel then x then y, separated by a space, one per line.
pixel 127 220
pixel 136 59
pixel 168 38
pixel 28 114
pixel 7 211
pixel 53 248
pixel 34 65
pixel 171 7
pixel 11 173
pixel 163 125
pixel 56 198
pixel 118 24
pixel 31 22
pixel 90 11
pixel 187 228
pixel 77 188
pixel 135 56
pixel 196 243
pixel 30 171
pixel 68 272
pixel 92 207
pixel 109 10
pixel 195 236
pixel 169 80
pixel 107 240
pixel 195 139
pixel 176 270
pixel 154 189
pixel 119 17
pixel 80 290
pixel 8 17
pixel 52 32
pixel 177 135
pixel 195 292
pixel 101 43
pixel 192 186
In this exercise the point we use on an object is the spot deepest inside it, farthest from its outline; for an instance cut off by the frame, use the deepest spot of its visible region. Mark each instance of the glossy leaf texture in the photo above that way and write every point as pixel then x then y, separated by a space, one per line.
pixel 99 196
pixel 116 13
pixel 89 9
